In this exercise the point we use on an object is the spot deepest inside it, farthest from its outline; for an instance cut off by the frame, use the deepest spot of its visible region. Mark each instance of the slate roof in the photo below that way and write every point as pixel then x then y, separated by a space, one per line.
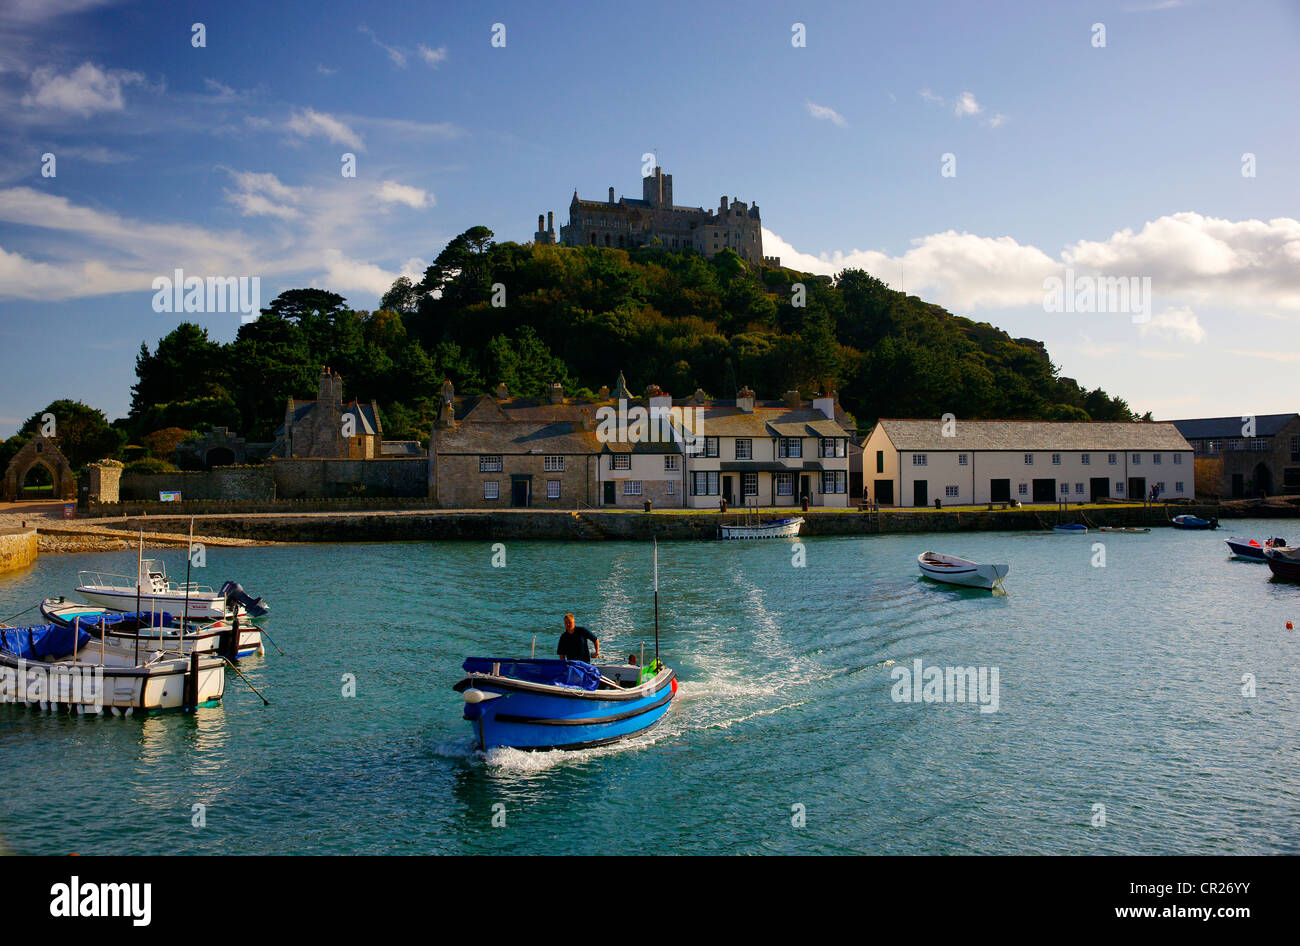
pixel 1033 435
pixel 1228 428
pixel 517 437
pixel 367 422
pixel 767 422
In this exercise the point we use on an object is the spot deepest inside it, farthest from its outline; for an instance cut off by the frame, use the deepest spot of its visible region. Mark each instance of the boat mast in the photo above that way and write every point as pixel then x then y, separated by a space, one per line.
pixel 189 557
pixel 139 567
pixel 656 600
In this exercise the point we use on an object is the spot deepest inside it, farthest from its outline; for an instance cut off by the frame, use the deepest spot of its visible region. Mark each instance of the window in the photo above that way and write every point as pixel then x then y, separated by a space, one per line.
pixel 1078 489
pixel 834 481
pixel 1295 448
pixel 785 484
pixel 1161 486
pixel 1112 458
pixel 880 461
pixel 1023 489
pixel 1119 487
pixel 1137 459
pixel 744 448
pixel 789 447
pixel 831 447
pixel 1236 443
pixel 1178 486
pixel 631 487
pixel 553 464
pixel 962 459
pixel 1085 459
pixel 950 492
pixel 748 484
pixel 552 489
pixel 1029 459
pixel 1259 444
pixel 1155 458
pixel 1065 489
pixel 919 459
pixel 1056 459
pixel 704 483
pixel 489 464
pixel 620 461
pixel 491 489
pixel 1178 459
pixel 672 487
pixel 710 446
pixel 672 463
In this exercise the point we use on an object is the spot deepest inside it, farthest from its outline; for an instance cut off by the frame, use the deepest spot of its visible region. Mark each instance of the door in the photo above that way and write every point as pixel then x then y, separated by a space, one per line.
pixel 726 491
pixel 611 496
pixel 1238 486
pixel 884 492
pixel 1000 491
pixel 1098 488
pixel 1137 489
pixel 1044 491
pixel 520 490
pixel 920 492
pixel 805 488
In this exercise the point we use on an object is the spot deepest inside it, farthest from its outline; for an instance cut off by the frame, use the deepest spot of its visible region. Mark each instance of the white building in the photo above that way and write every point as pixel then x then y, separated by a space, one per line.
pixel 972 462
pixel 772 453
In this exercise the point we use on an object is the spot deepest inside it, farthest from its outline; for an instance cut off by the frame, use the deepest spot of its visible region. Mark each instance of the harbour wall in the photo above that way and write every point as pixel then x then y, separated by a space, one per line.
pixel 424 525
pixel 279 479
pixel 18 548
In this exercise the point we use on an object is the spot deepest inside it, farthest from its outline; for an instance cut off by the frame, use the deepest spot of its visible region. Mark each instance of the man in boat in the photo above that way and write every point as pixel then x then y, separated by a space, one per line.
pixel 573 642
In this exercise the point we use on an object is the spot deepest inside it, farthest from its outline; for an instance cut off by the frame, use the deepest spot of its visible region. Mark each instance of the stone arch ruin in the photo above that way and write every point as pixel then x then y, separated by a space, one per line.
pixel 40 450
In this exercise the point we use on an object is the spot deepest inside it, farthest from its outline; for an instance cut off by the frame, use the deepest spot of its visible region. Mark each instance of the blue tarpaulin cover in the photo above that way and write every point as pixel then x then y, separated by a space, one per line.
pixel 41 641
pixel 565 673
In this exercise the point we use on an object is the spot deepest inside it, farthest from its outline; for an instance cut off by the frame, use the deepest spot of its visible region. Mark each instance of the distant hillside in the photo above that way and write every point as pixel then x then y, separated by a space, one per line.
pixel 527 315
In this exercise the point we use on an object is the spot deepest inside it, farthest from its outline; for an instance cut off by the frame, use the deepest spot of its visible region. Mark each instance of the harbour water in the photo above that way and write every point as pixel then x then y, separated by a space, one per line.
pixel 1119 685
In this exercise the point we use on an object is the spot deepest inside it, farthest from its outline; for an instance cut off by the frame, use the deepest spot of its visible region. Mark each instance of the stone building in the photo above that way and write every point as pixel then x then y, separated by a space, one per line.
pixel 1245 456
pixel 653 219
pixel 40 451
pixel 329 429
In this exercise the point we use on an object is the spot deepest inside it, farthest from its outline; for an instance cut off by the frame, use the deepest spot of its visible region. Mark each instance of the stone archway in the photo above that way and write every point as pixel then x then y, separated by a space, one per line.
pixel 40 450
pixel 219 456
pixel 1263 479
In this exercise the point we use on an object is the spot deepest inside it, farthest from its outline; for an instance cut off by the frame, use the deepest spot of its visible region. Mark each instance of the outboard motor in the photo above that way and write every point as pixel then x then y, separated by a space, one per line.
pixel 234 594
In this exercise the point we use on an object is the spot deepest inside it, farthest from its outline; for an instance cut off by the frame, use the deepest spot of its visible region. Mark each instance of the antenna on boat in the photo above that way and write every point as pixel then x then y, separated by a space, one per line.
pixel 185 612
pixel 656 599
pixel 139 567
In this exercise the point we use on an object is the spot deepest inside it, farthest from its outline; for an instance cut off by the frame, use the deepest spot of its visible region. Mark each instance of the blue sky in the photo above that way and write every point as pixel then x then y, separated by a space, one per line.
pixel 1117 160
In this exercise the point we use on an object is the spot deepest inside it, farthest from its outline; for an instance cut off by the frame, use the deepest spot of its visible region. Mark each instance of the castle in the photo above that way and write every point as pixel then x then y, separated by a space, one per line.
pixel 655 220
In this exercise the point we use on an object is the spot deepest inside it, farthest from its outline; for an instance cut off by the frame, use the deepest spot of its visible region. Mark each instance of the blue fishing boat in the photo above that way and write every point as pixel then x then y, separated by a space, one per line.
pixel 562 704
pixel 1070 528
pixel 1194 522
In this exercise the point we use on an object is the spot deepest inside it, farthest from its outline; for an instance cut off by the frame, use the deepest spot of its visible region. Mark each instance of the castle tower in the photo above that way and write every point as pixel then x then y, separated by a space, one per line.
pixel 657 189
pixel 545 233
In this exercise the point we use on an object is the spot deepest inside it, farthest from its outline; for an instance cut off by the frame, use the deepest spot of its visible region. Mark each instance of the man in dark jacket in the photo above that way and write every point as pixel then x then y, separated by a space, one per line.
pixel 573 642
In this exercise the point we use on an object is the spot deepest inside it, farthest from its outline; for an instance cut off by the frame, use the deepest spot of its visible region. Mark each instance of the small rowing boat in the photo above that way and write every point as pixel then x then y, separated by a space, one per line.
pixel 1124 530
pixel 1284 562
pixel 1252 549
pixel 1070 528
pixel 155 630
pixel 952 570
pixel 1194 522
pixel 771 529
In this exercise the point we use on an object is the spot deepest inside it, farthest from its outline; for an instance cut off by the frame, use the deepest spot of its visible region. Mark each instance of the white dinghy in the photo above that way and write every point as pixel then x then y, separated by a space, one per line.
pixel 952 570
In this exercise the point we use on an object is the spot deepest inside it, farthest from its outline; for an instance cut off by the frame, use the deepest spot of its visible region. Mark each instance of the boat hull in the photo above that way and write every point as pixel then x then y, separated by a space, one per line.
pixel 89 686
pixel 506 713
pixel 780 529
pixel 1193 522
pixel 204 608
pixel 204 640
pixel 1070 529
pixel 1284 563
pixel 964 574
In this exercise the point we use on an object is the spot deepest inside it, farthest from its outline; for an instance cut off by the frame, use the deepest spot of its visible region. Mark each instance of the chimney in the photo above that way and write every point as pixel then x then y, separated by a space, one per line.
pixel 586 419
pixel 539 223
pixel 446 416
pixel 503 392
pixel 448 393
pixel 745 400
pixel 557 393
pixel 699 397
pixel 724 205
pixel 611 195
pixel 603 393
pixel 792 399
pixel 550 222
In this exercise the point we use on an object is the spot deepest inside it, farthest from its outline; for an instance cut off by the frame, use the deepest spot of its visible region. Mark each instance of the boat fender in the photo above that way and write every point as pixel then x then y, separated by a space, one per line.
pixel 673 683
pixel 475 695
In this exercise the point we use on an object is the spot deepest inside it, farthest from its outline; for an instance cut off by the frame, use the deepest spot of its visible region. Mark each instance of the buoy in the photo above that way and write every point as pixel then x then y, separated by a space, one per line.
pixel 674 685
pixel 1289 627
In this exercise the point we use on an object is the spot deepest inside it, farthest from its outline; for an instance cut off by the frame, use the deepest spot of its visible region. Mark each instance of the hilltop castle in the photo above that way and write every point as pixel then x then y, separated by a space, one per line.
pixel 655 220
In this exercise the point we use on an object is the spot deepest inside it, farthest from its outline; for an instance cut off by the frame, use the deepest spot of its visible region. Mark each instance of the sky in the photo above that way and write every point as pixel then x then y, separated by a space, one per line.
pixel 980 155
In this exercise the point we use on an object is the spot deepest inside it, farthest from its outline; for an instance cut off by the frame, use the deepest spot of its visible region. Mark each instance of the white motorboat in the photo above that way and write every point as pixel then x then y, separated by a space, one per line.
pixel 155 631
pixel 152 592
pixel 772 529
pixel 952 570
pixel 51 666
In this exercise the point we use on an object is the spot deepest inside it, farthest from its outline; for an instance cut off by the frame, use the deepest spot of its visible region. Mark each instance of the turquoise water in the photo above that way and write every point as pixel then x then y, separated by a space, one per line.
pixel 1118 686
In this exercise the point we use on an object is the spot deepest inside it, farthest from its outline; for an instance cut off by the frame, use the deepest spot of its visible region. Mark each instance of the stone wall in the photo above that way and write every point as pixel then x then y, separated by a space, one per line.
pixel 17 549
pixel 103 482
pixel 249 483
pixel 317 478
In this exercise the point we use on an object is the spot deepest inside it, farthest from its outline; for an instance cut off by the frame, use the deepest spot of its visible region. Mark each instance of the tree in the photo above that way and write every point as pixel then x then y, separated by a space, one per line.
pixel 81 432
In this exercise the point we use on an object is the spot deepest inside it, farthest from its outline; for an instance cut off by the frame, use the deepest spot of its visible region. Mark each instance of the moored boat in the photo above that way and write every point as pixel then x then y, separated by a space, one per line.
pixel 538 704
pixel 154 630
pixel 1252 549
pixel 1070 528
pixel 1126 530
pixel 952 570
pixel 771 529
pixel 1194 522
pixel 53 666
pixel 1284 562
pixel 154 592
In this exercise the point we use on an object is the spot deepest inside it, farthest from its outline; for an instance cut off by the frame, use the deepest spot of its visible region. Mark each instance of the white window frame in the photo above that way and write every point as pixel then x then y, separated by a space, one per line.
pixel 672 463
pixel 491 463
pixel 620 461
pixel 552 489
pixel 491 489
pixel 631 487
pixel 950 492
pixel 1029 459
pixel 747 453
pixel 785 484
pixel 746 479
pixel 553 464
pixel 920 459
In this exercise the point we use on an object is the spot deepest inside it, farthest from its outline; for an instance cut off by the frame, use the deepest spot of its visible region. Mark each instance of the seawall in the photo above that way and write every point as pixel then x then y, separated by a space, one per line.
pixel 18 548
pixel 416 525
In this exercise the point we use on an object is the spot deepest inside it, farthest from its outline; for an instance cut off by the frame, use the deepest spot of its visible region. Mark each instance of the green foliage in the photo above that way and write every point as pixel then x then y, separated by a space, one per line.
pixel 579 315
pixel 149 465
pixel 82 433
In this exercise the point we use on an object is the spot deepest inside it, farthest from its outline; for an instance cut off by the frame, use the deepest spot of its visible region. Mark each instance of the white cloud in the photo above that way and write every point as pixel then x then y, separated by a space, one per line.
pixel 342 273
pixel 996 121
pixel 1178 323
pixel 433 57
pixel 37 11
pixel 390 192
pixel 85 90
pixel 395 55
pixel 1286 357
pixel 931 97
pixel 309 123
pixel 966 105
pixel 257 196
pixel 825 112
pixel 325 70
